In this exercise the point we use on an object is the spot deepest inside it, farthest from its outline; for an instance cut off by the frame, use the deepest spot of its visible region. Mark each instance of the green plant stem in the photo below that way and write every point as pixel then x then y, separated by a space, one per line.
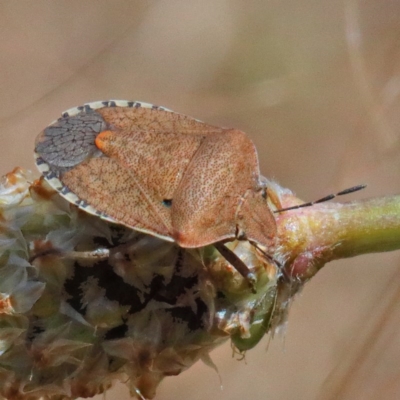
pixel 311 237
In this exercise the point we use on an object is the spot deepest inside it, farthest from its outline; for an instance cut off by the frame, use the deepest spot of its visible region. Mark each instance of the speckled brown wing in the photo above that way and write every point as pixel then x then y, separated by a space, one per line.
pixel 202 181
pixel 132 179
pixel 157 154
pixel 211 199
pixel 118 193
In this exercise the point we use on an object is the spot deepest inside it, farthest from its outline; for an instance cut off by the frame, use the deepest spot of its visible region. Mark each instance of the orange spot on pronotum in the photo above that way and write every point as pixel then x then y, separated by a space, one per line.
pixel 102 138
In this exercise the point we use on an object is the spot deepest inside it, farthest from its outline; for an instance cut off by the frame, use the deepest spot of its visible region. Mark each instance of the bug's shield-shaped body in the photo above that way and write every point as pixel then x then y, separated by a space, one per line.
pixel 158 172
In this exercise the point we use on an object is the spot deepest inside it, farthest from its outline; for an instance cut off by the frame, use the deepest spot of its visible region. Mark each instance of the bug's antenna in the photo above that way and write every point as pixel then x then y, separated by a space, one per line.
pixel 323 199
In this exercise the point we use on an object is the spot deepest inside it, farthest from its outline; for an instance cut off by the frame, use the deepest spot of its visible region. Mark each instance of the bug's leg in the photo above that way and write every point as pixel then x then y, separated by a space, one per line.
pixel 284 274
pixel 238 264
pixel 101 253
pixel 98 254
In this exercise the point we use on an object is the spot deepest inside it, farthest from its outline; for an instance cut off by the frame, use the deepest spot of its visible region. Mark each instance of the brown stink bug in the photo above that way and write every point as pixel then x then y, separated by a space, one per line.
pixel 159 172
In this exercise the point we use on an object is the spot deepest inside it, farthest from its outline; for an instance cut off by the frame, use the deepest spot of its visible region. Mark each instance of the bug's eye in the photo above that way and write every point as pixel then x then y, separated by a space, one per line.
pixel 167 203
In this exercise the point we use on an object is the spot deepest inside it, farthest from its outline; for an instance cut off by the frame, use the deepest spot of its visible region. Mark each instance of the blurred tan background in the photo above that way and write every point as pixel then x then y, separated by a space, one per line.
pixel 315 83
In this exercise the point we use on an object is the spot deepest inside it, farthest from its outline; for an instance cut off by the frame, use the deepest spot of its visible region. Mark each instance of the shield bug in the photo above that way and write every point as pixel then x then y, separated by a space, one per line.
pixel 159 172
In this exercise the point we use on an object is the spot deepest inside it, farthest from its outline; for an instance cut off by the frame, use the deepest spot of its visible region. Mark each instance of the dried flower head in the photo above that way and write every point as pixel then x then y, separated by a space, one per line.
pixel 84 302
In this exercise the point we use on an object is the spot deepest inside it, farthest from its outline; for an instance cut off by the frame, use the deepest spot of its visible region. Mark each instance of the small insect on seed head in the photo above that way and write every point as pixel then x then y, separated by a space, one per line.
pixel 159 172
